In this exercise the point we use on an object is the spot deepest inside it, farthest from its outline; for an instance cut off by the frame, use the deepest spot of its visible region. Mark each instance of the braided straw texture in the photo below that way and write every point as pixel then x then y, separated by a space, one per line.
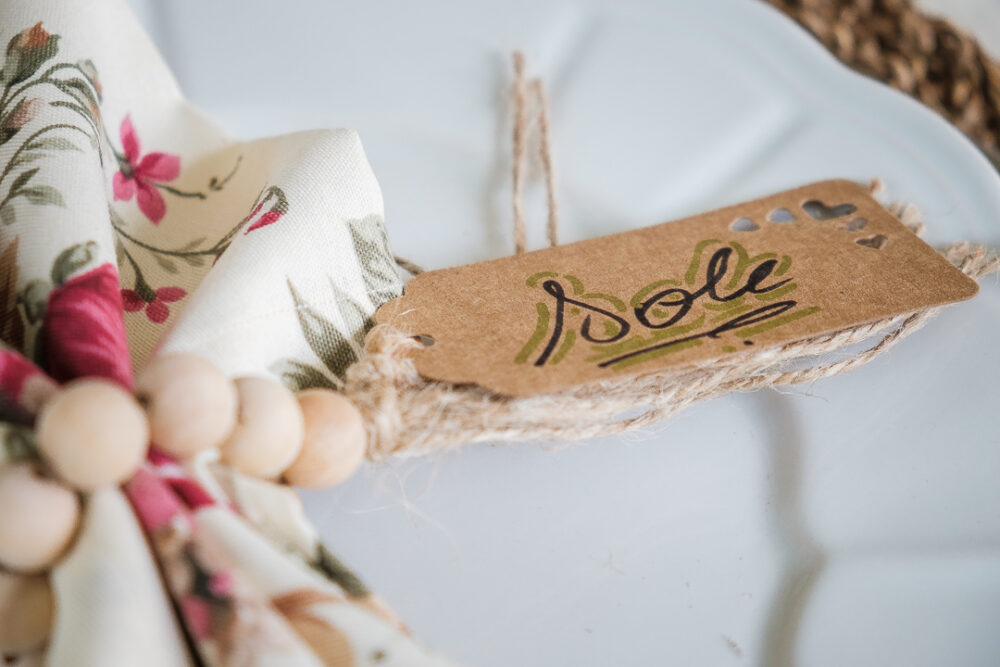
pixel 926 57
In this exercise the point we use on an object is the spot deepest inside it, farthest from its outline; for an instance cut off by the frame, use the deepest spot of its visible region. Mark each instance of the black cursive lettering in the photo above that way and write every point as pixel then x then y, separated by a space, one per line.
pixel 715 271
pixel 746 319
pixel 555 289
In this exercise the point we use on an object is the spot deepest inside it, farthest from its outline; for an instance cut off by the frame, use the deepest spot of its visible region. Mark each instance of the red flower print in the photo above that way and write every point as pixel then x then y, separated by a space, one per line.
pixel 83 332
pixel 138 177
pixel 156 309
pixel 27 51
pixel 34 37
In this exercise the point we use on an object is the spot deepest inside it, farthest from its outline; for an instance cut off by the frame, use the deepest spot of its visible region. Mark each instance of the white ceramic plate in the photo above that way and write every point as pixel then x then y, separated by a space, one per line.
pixel 853 522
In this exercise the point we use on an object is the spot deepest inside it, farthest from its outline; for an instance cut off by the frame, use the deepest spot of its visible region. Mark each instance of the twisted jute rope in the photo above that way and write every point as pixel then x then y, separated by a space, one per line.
pixel 408 415
pixel 520 92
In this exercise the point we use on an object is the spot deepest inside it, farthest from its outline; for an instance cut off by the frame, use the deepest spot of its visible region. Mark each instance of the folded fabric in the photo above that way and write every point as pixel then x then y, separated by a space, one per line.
pixel 132 225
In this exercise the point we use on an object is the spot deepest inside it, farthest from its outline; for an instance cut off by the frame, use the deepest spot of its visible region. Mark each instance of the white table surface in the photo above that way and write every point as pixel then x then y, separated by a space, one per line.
pixel 852 522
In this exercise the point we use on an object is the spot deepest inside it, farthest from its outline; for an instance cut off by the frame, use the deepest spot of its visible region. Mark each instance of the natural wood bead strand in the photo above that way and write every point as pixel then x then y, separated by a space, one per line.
pixel 93 433
pixel 334 443
pixel 269 429
pixel 38 518
pixel 191 404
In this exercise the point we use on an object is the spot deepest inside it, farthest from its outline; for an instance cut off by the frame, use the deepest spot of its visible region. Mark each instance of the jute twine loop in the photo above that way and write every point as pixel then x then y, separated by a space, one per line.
pixel 408 415
pixel 521 102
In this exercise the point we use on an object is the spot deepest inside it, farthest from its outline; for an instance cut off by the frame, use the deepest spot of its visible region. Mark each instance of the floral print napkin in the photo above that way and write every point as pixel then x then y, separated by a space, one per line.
pixel 131 224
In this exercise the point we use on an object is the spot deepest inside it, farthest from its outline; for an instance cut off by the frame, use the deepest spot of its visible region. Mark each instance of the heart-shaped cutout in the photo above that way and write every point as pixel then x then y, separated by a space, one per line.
pixel 744 225
pixel 817 210
pixel 854 225
pixel 878 241
pixel 781 215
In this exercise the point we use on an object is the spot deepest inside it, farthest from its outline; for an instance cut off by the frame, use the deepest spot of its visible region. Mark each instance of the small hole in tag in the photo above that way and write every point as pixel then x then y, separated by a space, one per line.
pixel 855 225
pixel 744 225
pixel 781 215
pixel 424 339
pixel 817 210
pixel 878 241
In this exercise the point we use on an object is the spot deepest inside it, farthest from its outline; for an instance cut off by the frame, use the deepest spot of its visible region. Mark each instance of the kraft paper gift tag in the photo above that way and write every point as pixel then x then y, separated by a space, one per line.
pixel 779 269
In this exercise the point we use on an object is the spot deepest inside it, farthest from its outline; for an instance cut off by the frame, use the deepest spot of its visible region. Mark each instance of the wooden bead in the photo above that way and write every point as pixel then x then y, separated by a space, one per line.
pixel 335 440
pixel 38 518
pixel 269 428
pixel 191 404
pixel 25 612
pixel 93 433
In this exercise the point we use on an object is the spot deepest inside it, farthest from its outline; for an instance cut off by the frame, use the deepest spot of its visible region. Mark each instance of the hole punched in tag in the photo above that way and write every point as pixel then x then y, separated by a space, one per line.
pixel 781 215
pixel 744 225
pixel 817 210
pixel 424 339
pixel 877 242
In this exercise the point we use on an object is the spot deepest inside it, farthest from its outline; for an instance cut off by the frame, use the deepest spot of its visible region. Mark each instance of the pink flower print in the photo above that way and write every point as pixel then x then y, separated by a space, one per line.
pixel 155 504
pixel 198 615
pixel 278 207
pixel 221 585
pixel 138 176
pixel 268 218
pixel 156 309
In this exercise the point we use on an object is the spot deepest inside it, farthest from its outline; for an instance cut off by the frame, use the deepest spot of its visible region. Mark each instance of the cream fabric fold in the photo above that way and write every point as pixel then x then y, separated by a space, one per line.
pixel 111 606
pixel 126 213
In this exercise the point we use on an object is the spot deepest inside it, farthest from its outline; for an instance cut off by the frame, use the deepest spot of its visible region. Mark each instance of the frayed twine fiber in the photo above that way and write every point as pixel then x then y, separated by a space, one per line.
pixel 407 415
